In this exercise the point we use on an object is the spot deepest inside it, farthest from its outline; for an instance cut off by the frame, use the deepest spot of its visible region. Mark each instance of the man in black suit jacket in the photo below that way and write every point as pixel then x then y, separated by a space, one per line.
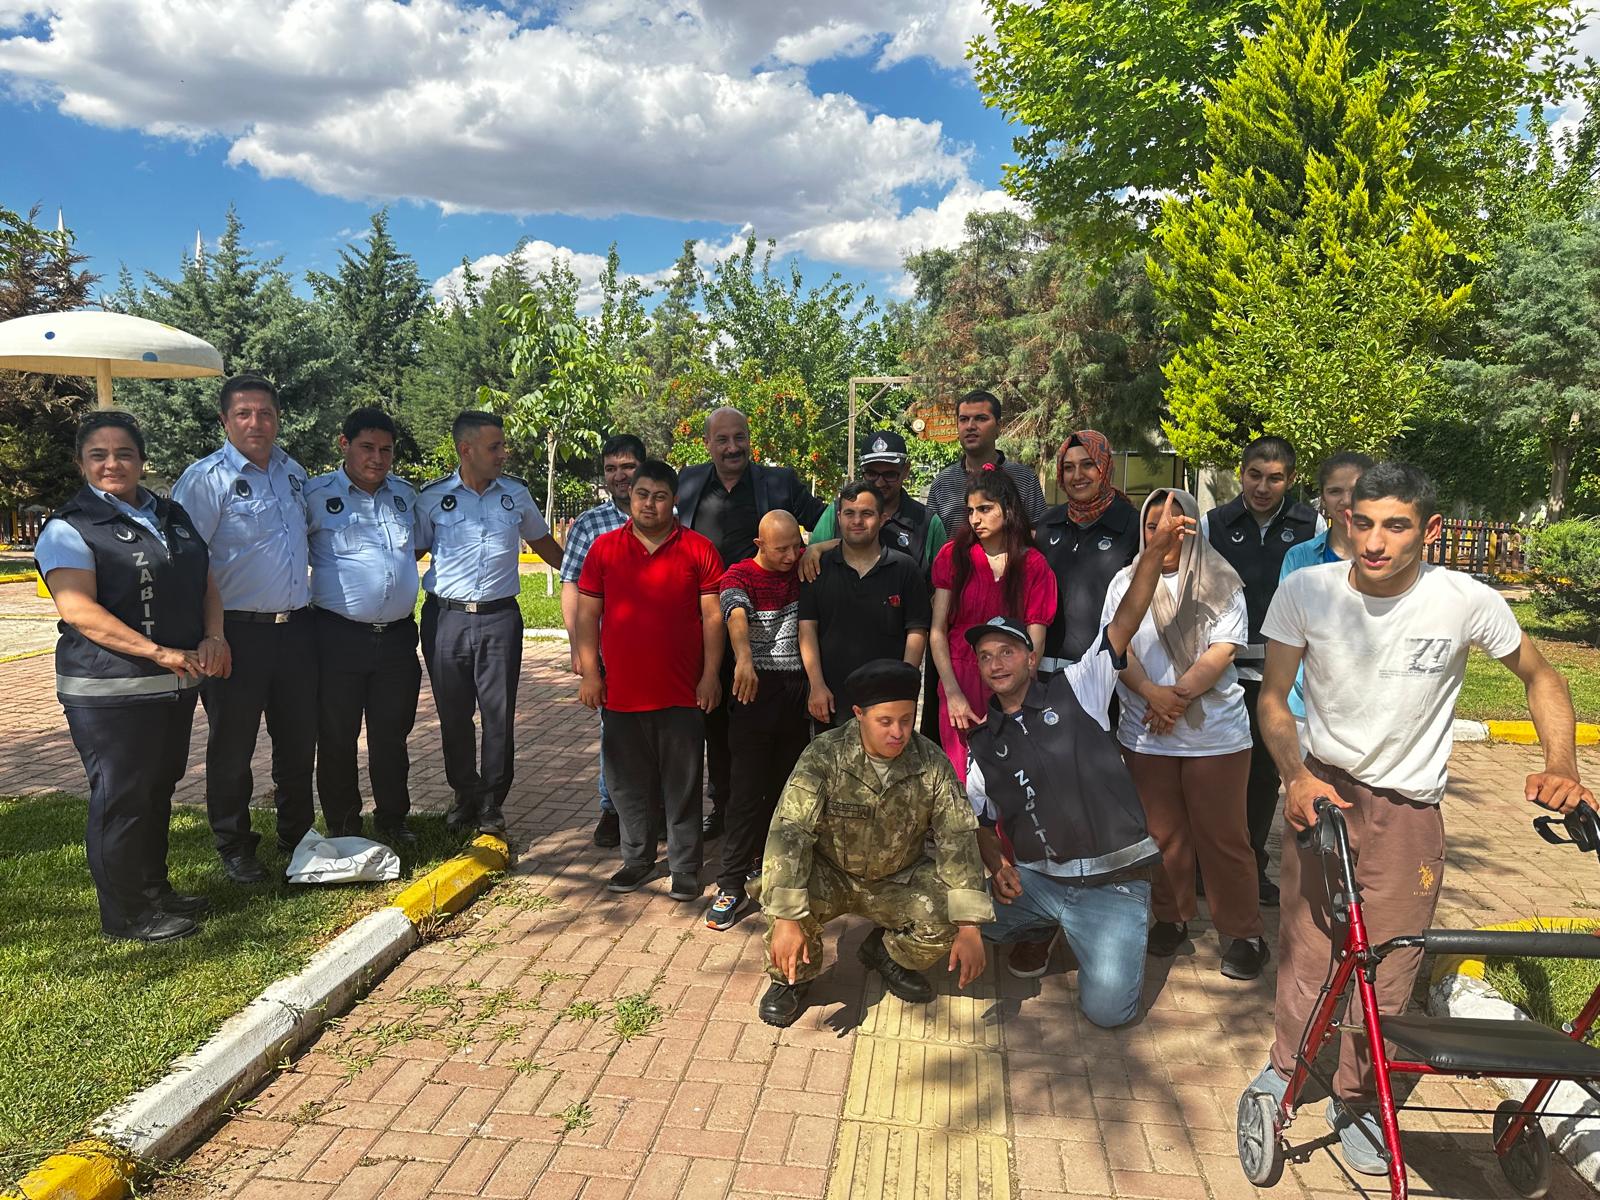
pixel 724 500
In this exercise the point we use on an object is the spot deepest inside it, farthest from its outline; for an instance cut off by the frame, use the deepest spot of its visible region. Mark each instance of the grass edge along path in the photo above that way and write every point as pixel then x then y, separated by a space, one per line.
pixel 87 1021
pixel 1490 692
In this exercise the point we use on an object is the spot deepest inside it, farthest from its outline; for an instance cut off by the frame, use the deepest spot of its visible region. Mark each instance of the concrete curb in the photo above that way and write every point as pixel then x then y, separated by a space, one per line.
pixel 160 1121
pixel 545 633
pixel 1520 733
pixel 1457 988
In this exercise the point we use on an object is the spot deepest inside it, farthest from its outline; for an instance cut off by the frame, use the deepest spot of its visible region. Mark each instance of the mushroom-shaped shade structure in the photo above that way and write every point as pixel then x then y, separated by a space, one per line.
pixel 105 345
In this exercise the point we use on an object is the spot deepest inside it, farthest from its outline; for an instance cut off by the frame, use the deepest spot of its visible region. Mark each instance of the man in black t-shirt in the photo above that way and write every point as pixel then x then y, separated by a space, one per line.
pixel 867 602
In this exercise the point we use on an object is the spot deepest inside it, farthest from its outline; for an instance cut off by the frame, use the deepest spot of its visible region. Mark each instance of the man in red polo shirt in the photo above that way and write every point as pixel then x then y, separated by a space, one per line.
pixel 656 583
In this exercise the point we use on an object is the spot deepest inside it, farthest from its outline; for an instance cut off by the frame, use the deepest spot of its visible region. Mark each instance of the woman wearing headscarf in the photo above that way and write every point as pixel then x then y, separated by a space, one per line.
pixel 1186 738
pixel 1086 540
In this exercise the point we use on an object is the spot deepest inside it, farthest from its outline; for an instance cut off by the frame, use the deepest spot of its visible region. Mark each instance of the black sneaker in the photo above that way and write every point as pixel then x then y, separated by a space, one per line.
pixel 903 982
pixel 724 911
pixel 1166 937
pixel 631 878
pixel 463 815
pixel 608 830
pixel 1245 958
pixel 685 887
pixel 492 821
pixel 711 827
pixel 1268 891
pixel 783 1003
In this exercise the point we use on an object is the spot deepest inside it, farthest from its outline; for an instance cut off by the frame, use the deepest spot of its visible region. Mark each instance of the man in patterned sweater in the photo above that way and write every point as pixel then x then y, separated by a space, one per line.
pixel 767 718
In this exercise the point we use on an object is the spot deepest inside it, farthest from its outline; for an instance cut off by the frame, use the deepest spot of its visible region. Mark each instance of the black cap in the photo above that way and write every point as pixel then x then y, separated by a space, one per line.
pixel 885 446
pixel 883 680
pixel 1006 625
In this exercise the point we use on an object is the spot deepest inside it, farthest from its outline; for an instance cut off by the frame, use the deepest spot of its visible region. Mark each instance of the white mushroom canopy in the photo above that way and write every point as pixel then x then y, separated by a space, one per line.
pixel 87 342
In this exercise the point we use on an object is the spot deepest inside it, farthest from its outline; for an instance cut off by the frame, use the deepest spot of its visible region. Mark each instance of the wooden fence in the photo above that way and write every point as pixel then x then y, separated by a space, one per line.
pixel 1482 547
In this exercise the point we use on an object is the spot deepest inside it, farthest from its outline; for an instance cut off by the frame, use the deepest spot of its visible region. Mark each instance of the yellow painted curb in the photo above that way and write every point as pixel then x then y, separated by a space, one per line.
pixel 451 886
pixel 1472 968
pixel 1522 733
pixel 85 1171
pixel 102 1171
pixel 17 577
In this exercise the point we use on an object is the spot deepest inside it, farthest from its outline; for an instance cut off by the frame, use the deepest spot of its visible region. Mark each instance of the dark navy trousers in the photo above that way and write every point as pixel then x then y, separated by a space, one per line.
pixel 474 663
pixel 133 755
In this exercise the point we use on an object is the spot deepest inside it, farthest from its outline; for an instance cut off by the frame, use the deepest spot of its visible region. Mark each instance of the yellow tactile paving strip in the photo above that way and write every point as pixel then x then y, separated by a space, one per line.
pixel 925 1113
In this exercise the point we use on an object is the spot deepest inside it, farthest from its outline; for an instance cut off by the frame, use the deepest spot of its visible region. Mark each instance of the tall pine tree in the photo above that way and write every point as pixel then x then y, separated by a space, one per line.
pixel 246 308
pixel 1307 284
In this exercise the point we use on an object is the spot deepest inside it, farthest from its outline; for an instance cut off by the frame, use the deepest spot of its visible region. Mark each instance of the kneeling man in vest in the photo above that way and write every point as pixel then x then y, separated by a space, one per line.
pixel 1046 769
pixel 850 835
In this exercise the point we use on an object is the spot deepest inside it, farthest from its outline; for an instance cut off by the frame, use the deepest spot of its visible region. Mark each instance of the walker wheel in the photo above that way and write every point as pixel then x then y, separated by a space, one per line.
pixel 1260 1149
pixel 1526 1165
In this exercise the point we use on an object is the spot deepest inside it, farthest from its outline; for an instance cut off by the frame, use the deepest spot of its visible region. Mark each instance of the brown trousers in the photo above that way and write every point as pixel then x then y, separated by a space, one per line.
pixel 1196 806
pixel 1398 845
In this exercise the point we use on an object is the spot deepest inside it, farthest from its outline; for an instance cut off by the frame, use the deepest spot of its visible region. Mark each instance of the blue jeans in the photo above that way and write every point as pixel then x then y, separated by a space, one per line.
pixel 1105 924
pixel 605 792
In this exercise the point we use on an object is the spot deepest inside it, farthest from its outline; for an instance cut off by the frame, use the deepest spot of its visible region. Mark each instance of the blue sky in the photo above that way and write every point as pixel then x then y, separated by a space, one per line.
pixel 851 131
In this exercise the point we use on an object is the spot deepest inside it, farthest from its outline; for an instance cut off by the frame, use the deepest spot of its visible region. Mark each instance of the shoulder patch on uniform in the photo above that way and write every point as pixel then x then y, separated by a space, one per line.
pixel 399 481
pixel 433 483
pixel 513 478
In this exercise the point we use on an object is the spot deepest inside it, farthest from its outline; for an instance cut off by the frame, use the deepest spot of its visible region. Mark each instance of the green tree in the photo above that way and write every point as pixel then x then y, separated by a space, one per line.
pixel 463 347
pixel 40 272
pixel 1113 93
pixel 379 300
pixel 247 309
pixel 1307 284
pixel 787 424
pixel 566 381
pixel 1017 306
pixel 1539 369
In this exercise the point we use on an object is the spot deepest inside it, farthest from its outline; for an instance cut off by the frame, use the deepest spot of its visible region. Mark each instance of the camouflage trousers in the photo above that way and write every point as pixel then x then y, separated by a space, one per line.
pixel 909 906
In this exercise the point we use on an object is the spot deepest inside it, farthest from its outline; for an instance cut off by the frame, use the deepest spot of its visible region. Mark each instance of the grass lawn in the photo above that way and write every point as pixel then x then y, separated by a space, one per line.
pixel 1490 692
pixel 1550 990
pixel 85 1021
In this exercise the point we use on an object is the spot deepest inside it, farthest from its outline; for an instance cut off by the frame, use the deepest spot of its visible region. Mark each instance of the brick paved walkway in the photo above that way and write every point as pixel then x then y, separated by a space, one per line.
pixel 558 1041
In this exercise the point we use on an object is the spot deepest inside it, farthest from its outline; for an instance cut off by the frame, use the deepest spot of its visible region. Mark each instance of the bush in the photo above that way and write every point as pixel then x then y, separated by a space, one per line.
pixel 1564 569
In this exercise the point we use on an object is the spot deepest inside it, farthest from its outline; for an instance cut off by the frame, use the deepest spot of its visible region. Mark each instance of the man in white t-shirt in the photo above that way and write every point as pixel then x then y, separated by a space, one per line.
pixel 1384 640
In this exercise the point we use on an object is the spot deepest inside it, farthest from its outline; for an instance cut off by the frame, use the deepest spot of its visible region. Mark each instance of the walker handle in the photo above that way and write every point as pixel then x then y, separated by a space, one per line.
pixel 1305 837
pixel 1581 826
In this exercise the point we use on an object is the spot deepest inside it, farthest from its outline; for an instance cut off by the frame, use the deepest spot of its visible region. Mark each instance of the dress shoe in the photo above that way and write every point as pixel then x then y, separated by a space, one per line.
pixel 243 868
pixel 395 835
pixel 492 821
pixel 180 905
pixel 608 831
pixel 463 815
pixel 909 985
pixel 783 1003
pixel 711 827
pixel 157 927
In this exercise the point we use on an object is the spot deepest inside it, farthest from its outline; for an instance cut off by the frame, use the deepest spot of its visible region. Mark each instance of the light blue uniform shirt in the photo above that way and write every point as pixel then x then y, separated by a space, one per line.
pixel 475 540
pixel 254 522
pixel 363 554
pixel 60 545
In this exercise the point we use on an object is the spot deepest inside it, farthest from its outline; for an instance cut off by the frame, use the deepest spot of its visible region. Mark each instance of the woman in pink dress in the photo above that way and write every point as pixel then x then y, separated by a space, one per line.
pixel 989 569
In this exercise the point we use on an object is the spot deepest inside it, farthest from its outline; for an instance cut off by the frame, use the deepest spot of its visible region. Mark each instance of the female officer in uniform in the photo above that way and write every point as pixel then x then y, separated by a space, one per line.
pixel 141 624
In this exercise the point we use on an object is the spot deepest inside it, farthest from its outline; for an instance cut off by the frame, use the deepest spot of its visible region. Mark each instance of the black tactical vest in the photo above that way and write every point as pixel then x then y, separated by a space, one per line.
pixel 159 592
pixel 1238 538
pixel 907 531
pixel 1059 785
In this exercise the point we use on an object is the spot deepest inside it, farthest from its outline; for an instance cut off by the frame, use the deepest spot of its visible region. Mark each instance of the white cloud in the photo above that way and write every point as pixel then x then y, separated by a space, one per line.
pixel 537 256
pixel 882 242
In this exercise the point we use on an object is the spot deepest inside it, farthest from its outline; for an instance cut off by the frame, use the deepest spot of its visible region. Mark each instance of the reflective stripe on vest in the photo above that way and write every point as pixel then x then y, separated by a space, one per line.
pixel 141 685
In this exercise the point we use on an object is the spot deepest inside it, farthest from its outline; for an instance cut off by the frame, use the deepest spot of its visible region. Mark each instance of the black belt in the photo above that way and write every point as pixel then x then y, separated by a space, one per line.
pixel 266 618
pixel 374 626
pixel 474 606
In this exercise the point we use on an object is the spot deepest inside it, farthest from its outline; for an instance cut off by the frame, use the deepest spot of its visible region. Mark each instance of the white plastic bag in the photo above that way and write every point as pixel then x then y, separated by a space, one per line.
pixel 319 859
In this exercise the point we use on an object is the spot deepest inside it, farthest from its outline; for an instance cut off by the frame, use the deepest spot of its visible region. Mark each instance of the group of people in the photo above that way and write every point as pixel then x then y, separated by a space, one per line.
pixel 261 592
pixel 1111 696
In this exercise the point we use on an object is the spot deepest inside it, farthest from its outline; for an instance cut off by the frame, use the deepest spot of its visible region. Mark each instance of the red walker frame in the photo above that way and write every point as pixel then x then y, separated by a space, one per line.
pixel 1520 1145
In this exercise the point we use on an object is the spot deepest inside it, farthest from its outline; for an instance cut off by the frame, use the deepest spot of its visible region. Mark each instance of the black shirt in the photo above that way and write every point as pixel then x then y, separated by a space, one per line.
pixel 729 519
pixel 863 617
pixel 1084 561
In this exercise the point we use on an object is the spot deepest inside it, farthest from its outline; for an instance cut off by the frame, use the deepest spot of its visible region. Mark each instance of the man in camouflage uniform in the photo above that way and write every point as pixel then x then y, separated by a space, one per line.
pixel 849 836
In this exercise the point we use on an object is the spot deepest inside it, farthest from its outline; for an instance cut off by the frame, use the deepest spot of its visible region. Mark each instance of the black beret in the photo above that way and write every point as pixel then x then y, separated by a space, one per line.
pixel 883 680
